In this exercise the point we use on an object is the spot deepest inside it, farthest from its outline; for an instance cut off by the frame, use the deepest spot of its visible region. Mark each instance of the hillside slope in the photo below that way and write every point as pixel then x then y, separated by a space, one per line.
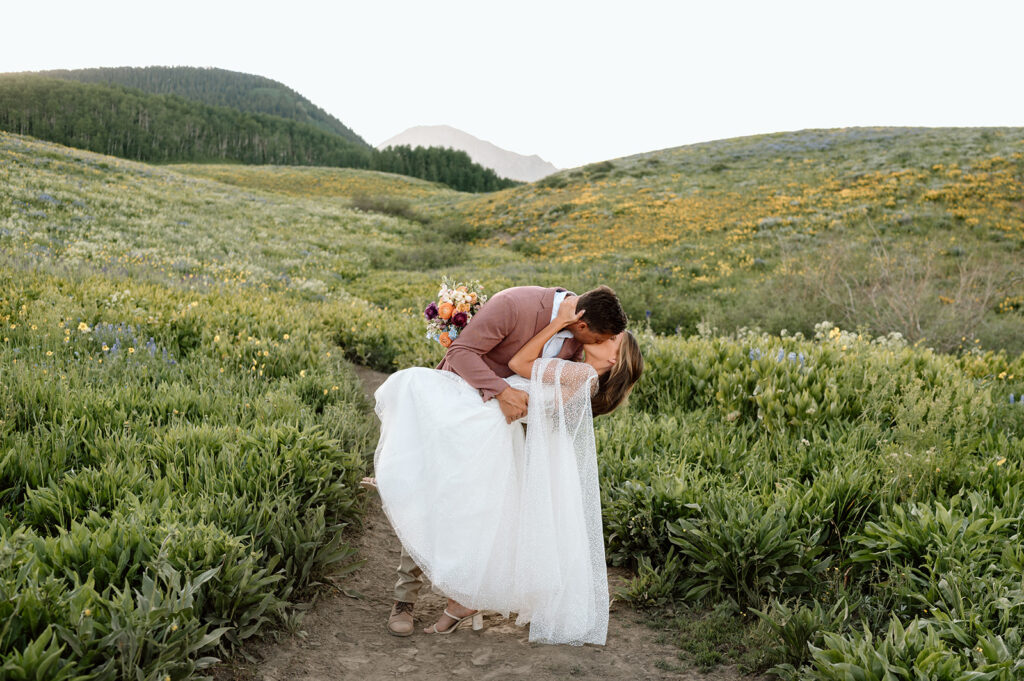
pixel 917 231
pixel 73 208
pixel 129 123
pixel 119 121
pixel 908 229
pixel 217 87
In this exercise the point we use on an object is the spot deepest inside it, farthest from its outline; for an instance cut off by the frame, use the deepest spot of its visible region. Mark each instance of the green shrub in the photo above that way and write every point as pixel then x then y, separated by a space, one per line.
pixel 917 650
pixel 173 468
pixel 389 205
pixel 743 553
pixel 797 629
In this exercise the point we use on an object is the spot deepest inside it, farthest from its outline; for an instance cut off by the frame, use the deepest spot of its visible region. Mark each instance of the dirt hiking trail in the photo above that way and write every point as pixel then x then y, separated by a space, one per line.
pixel 343 634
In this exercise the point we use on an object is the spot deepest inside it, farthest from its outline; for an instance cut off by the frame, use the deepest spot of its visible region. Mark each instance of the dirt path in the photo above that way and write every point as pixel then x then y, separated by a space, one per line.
pixel 344 636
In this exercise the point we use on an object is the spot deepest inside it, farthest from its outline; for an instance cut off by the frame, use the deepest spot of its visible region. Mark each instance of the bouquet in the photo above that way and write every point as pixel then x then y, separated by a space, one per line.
pixel 456 304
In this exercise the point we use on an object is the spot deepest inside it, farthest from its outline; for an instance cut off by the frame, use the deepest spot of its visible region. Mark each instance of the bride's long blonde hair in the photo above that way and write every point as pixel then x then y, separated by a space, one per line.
pixel 614 386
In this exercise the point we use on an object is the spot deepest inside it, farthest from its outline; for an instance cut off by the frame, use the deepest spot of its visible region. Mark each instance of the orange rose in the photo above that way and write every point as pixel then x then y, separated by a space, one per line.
pixel 472 299
pixel 445 339
pixel 461 288
pixel 445 310
pixel 462 307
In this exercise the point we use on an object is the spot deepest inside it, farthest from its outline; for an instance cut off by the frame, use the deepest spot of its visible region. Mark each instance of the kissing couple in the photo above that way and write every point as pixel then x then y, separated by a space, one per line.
pixel 487 466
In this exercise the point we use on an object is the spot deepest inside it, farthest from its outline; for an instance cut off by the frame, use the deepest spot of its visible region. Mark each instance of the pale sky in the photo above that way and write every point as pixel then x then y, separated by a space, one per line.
pixel 574 82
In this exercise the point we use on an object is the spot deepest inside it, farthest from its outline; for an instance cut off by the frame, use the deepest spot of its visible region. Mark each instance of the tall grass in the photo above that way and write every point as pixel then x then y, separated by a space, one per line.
pixel 859 496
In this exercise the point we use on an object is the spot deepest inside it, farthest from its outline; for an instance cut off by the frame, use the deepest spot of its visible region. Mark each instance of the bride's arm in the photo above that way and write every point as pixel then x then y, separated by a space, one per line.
pixel 522 361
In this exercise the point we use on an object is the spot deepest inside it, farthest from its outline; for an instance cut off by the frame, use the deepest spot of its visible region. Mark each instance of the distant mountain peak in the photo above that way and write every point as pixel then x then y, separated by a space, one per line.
pixel 502 161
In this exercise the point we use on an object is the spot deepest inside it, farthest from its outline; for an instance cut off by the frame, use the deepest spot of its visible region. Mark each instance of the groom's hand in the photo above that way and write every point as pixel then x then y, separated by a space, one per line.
pixel 513 403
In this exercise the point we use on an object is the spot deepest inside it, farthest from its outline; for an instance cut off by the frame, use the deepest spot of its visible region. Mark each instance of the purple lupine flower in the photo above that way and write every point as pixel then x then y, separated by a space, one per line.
pixel 431 311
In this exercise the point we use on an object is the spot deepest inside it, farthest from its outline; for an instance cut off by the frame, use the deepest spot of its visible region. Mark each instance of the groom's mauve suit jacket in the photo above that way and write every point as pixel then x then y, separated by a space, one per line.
pixel 497 331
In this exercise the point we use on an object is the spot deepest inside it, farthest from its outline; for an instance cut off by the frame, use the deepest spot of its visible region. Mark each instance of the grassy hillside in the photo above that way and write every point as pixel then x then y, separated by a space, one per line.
pixel 915 230
pixel 182 424
pixel 134 124
pixel 919 231
pixel 216 87
pixel 322 182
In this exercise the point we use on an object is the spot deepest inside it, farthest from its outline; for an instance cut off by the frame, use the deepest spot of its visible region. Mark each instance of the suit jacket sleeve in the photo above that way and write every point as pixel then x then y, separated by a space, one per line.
pixel 489 327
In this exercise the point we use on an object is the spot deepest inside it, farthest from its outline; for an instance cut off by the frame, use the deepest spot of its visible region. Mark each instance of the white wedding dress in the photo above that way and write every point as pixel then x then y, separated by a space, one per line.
pixel 498 518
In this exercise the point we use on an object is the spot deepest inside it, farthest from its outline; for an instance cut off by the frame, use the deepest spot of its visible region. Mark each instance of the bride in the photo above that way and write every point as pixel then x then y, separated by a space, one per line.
pixel 500 517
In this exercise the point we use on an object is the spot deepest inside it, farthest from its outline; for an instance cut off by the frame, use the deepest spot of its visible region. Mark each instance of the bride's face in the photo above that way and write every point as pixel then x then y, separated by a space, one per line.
pixel 602 356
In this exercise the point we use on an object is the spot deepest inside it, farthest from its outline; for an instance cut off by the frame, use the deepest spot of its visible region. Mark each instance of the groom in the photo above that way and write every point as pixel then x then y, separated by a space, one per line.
pixel 481 354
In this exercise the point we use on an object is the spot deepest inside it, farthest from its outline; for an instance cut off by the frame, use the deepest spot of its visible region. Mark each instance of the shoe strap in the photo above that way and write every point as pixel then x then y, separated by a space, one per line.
pixel 459 619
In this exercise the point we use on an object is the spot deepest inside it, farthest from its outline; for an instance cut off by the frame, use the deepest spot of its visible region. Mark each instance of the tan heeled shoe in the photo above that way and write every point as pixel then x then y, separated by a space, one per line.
pixel 477 621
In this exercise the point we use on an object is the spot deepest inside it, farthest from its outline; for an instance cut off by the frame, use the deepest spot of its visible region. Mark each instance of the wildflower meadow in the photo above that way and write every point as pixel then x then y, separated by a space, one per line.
pixel 182 432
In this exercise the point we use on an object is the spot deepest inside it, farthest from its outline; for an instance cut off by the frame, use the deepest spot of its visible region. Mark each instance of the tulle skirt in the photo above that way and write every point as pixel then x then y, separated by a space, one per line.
pixel 490 526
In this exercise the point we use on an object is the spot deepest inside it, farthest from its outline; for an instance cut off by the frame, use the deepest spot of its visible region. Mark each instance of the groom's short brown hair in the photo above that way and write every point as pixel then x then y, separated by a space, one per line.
pixel 602 311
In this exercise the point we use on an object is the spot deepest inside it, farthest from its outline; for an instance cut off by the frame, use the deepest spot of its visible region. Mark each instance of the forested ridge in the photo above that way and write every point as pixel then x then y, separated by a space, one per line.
pixel 163 128
pixel 216 87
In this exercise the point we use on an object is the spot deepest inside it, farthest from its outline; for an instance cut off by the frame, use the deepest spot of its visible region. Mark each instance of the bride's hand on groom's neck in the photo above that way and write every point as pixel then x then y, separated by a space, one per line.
pixel 567 313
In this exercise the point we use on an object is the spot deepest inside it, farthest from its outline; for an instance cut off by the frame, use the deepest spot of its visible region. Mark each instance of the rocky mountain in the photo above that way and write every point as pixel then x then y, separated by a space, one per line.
pixel 502 161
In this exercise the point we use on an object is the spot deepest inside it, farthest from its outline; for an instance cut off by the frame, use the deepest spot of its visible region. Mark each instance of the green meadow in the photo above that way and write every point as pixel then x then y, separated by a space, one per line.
pixel 914 230
pixel 182 432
